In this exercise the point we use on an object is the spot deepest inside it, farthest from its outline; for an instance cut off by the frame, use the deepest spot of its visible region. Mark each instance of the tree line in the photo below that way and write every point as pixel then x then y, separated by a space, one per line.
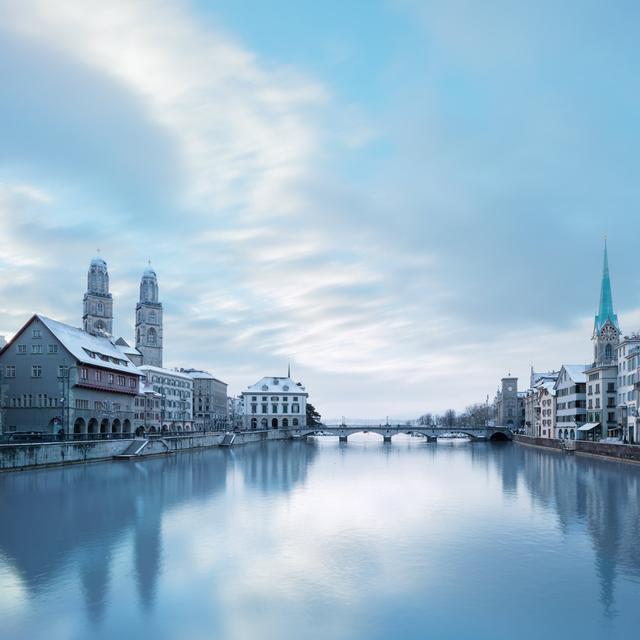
pixel 475 415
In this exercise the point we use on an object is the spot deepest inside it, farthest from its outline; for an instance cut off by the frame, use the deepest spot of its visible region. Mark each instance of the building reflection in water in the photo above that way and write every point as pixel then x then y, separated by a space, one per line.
pixel 602 494
pixel 81 518
pixel 79 515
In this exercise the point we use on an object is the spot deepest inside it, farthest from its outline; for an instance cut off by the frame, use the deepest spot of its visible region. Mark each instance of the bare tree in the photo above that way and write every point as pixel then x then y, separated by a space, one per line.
pixel 449 418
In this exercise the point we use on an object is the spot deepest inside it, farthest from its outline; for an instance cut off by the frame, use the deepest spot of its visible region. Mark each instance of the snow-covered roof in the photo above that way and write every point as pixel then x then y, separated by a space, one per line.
pixel 548 385
pixel 276 384
pixel 576 371
pixel 197 374
pixel 97 351
pixel 164 372
pixel 126 348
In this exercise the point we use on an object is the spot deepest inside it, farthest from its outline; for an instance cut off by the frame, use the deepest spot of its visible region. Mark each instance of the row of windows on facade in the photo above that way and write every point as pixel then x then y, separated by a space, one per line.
pixel 624 381
pixel 274 398
pixel 43 400
pixel 574 390
pixel 577 417
pixel 595 416
pixel 571 405
pixel 295 408
pixel 611 388
pixel 274 423
pixel 611 402
pixel 37 370
pixel 172 392
pixel 172 382
pixel 36 349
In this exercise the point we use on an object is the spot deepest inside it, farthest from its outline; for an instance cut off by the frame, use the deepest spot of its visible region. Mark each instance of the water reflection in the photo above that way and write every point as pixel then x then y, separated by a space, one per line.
pixel 72 524
pixel 604 495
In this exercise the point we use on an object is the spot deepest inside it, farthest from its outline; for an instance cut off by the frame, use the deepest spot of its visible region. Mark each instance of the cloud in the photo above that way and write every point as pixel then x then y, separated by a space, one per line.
pixel 403 260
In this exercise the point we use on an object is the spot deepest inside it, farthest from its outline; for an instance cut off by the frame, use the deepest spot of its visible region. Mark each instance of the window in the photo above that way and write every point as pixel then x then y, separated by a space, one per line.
pixel 97 375
pixel 295 408
pixel 132 383
pixel 22 348
pixel 121 381
pixel 110 378
pixel 36 371
pixel 10 371
pixel 274 408
pixel 53 348
pixel 36 333
pixel 264 408
pixel 285 408
pixel 36 348
pixel 84 374
pixel 254 408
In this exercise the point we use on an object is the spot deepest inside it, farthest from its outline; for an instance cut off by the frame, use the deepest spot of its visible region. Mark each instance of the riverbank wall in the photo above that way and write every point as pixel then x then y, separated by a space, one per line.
pixel 622 452
pixel 16 457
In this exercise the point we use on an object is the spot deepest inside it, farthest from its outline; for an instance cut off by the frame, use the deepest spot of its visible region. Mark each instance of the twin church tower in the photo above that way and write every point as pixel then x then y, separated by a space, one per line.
pixel 97 316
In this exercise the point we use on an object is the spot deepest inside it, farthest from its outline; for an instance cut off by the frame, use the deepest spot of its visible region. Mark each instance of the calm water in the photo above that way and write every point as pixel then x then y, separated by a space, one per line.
pixel 322 540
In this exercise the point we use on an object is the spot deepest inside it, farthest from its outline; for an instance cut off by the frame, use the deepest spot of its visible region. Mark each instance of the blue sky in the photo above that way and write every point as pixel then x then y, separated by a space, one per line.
pixel 406 199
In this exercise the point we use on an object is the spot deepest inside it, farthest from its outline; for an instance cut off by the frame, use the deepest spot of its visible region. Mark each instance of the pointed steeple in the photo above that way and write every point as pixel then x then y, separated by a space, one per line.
pixel 605 311
pixel 289 370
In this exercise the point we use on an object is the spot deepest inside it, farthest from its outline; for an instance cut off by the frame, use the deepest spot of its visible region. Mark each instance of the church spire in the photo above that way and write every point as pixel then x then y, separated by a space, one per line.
pixel 605 311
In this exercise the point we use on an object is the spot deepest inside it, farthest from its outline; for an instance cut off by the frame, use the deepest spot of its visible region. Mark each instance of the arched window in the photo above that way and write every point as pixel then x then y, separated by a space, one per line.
pixel 608 352
pixel 152 317
pixel 100 308
pixel 274 423
pixel 152 337
pixel 264 423
pixel 285 422
pixel 296 422
pixel 572 434
pixel 254 423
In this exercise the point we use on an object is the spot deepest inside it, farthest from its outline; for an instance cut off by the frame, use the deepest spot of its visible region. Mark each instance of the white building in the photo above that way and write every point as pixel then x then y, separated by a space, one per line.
pixel 275 403
pixel 571 400
pixel 628 355
pixel 175 391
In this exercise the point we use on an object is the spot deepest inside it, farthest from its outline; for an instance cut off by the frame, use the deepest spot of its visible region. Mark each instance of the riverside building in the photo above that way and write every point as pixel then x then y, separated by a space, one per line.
pixel 275 403
pixel 59 379
pixel 210 406
pixel 628 356
pixel 571 400
pixel 174 392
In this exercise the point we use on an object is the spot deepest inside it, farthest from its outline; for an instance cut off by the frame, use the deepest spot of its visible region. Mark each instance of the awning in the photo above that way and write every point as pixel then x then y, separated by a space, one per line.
pixel 589 426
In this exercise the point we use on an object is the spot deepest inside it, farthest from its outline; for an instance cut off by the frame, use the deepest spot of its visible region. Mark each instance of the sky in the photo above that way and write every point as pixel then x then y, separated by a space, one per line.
pixel 404 199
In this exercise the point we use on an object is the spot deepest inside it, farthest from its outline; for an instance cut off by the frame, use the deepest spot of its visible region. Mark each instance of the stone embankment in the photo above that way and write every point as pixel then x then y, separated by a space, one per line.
pixel 623 452
pixel 15 457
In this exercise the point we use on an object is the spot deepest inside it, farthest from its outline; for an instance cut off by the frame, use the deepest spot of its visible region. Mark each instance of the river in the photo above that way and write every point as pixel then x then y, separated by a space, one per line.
pixel 319 539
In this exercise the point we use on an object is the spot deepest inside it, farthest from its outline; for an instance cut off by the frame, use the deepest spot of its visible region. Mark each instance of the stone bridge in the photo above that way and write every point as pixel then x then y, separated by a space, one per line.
pixel 387 431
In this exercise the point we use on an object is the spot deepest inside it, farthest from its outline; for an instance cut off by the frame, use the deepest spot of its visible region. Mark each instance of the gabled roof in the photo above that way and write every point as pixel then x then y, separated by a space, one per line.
pixel 97 351
pixel 576 371
pixel 276 384
pixel 126 348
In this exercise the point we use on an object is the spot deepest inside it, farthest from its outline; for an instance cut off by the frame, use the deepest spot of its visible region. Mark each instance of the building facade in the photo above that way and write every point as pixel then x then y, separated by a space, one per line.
pixel 59 379
pixel 628 357
pixel 275 403
pixel 506 403
pixel 571 400
pixel 174 391
pixel 210 406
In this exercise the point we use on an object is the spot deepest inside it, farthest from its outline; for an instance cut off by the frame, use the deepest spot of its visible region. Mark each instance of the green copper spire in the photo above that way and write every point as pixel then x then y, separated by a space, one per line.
pixel 605 312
